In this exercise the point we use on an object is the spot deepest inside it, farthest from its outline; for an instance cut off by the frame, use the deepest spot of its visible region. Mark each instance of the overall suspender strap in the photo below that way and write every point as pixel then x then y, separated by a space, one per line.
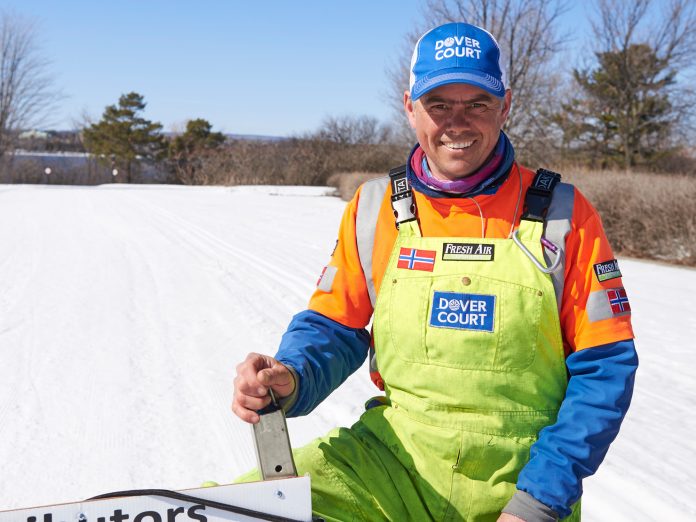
pixel 402 200
pixel 551 202
pixel 538 198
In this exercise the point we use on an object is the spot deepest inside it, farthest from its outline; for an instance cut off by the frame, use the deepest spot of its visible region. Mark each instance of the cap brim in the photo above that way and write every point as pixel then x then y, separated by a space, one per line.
pixel 458 75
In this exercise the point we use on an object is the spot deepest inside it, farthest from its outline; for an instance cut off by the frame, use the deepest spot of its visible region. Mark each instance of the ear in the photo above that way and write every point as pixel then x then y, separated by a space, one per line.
pixel 409 108
pixel 507 104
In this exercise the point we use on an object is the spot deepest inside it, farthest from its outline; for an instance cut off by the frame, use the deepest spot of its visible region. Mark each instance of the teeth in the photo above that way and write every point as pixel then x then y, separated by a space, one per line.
pixel 457 146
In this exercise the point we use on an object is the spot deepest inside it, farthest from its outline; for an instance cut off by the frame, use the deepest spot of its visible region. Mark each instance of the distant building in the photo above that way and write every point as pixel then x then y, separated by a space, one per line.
pixel 33 135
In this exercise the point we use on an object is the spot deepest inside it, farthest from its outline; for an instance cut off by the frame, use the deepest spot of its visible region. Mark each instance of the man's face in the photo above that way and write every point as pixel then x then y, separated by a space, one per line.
pixel 456 138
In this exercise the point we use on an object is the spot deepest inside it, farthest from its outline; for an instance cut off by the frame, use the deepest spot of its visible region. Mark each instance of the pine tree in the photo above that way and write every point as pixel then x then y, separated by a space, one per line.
pixel 624 115
pixel 124 136
pixel 187 150
pixel 631 108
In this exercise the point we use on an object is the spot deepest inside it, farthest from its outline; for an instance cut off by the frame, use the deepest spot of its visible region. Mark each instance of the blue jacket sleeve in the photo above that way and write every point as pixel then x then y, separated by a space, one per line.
pixel 323 353
pixel 597 398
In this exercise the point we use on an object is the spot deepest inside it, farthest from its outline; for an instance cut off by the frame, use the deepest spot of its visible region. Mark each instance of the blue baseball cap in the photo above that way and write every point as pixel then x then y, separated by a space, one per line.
pixel 456 53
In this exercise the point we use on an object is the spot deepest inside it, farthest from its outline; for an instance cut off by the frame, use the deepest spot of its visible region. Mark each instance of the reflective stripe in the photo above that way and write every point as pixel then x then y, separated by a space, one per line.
pixel 371 197
pixel 374 369
pixel 557 228
pixel 327 278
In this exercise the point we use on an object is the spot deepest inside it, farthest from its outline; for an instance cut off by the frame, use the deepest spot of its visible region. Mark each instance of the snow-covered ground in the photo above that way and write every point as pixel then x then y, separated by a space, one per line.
pixel 124 310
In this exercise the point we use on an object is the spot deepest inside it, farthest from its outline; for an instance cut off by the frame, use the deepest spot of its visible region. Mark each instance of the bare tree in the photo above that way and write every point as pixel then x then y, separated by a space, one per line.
pixel 623 22
pixel 526 32
pixel 352 130
pixel 26 87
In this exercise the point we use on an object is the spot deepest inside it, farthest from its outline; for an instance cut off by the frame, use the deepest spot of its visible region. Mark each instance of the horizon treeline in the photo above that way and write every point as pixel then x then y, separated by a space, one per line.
pixel 629 108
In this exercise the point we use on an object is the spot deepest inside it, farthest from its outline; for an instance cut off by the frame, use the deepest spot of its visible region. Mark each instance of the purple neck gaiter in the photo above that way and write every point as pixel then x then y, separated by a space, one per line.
pixel 419 164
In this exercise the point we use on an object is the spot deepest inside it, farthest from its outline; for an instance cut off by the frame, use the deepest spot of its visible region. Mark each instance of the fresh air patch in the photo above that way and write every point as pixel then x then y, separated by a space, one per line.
pixel 467 252
pixel 463 311
pixel 607 270
pixel 415 259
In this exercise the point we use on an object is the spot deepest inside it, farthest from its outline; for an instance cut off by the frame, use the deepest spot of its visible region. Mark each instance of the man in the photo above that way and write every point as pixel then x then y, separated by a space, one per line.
pixel 501 329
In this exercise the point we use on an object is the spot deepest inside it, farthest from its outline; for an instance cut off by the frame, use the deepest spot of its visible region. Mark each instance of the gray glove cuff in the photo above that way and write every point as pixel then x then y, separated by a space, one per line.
pixel 288 402
pixel 529 509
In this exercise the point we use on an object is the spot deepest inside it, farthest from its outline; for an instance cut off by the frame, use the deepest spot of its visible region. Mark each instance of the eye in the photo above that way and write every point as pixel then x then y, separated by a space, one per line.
pixel 438 108
pixel 477 107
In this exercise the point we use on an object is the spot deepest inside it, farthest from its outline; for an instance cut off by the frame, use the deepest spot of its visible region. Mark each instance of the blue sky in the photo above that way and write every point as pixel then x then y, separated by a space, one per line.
pixel 272 68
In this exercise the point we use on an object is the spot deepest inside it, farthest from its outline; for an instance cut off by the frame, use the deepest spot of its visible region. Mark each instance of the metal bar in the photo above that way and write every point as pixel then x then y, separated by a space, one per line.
pixel 272 443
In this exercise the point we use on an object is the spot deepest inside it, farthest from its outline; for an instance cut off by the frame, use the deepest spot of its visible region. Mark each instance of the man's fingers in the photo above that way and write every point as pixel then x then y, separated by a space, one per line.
pixel 253 403
pixel 245 406
pixel 246 415
pixel 247 383
pixel 255 375
pixel 506 517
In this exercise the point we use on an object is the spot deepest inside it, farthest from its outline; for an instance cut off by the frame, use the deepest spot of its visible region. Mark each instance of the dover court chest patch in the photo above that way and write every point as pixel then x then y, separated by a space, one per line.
pixel 463 311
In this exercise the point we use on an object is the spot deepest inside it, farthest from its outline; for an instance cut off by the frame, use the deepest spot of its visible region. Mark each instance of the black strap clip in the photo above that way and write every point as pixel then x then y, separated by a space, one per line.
pixel 538 198
pixel 402 201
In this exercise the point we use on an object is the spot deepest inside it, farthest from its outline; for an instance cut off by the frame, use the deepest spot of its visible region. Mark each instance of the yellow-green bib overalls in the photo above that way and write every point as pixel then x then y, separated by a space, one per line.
pixel 473 365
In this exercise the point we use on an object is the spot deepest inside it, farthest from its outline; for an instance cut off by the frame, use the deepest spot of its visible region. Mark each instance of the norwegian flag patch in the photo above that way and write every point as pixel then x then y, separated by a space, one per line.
pixel 415 259
pixel 618 301
pixel 605 304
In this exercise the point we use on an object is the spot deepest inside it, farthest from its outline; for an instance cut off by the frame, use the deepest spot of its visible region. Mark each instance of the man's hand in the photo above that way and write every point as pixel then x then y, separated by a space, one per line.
pixel 255 375
pixel 506 517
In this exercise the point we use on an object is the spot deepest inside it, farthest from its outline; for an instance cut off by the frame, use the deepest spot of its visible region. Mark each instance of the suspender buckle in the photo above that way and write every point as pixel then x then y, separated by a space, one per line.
pixel 403 207
pixel 536 204
pixel 402 201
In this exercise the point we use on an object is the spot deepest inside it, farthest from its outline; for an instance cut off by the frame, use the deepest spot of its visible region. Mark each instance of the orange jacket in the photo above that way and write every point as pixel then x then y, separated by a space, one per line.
pixel 348 301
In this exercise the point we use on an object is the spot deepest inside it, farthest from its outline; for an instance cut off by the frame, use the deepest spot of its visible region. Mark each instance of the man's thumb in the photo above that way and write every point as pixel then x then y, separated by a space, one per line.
pixel 277 377
pixel 273 375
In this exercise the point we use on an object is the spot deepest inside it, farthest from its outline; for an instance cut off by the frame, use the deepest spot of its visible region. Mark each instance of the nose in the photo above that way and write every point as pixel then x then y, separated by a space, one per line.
pixel 459 118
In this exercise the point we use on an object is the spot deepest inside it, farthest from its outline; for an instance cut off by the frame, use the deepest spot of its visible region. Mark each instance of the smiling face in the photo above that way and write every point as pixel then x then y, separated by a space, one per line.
pixel 458 126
